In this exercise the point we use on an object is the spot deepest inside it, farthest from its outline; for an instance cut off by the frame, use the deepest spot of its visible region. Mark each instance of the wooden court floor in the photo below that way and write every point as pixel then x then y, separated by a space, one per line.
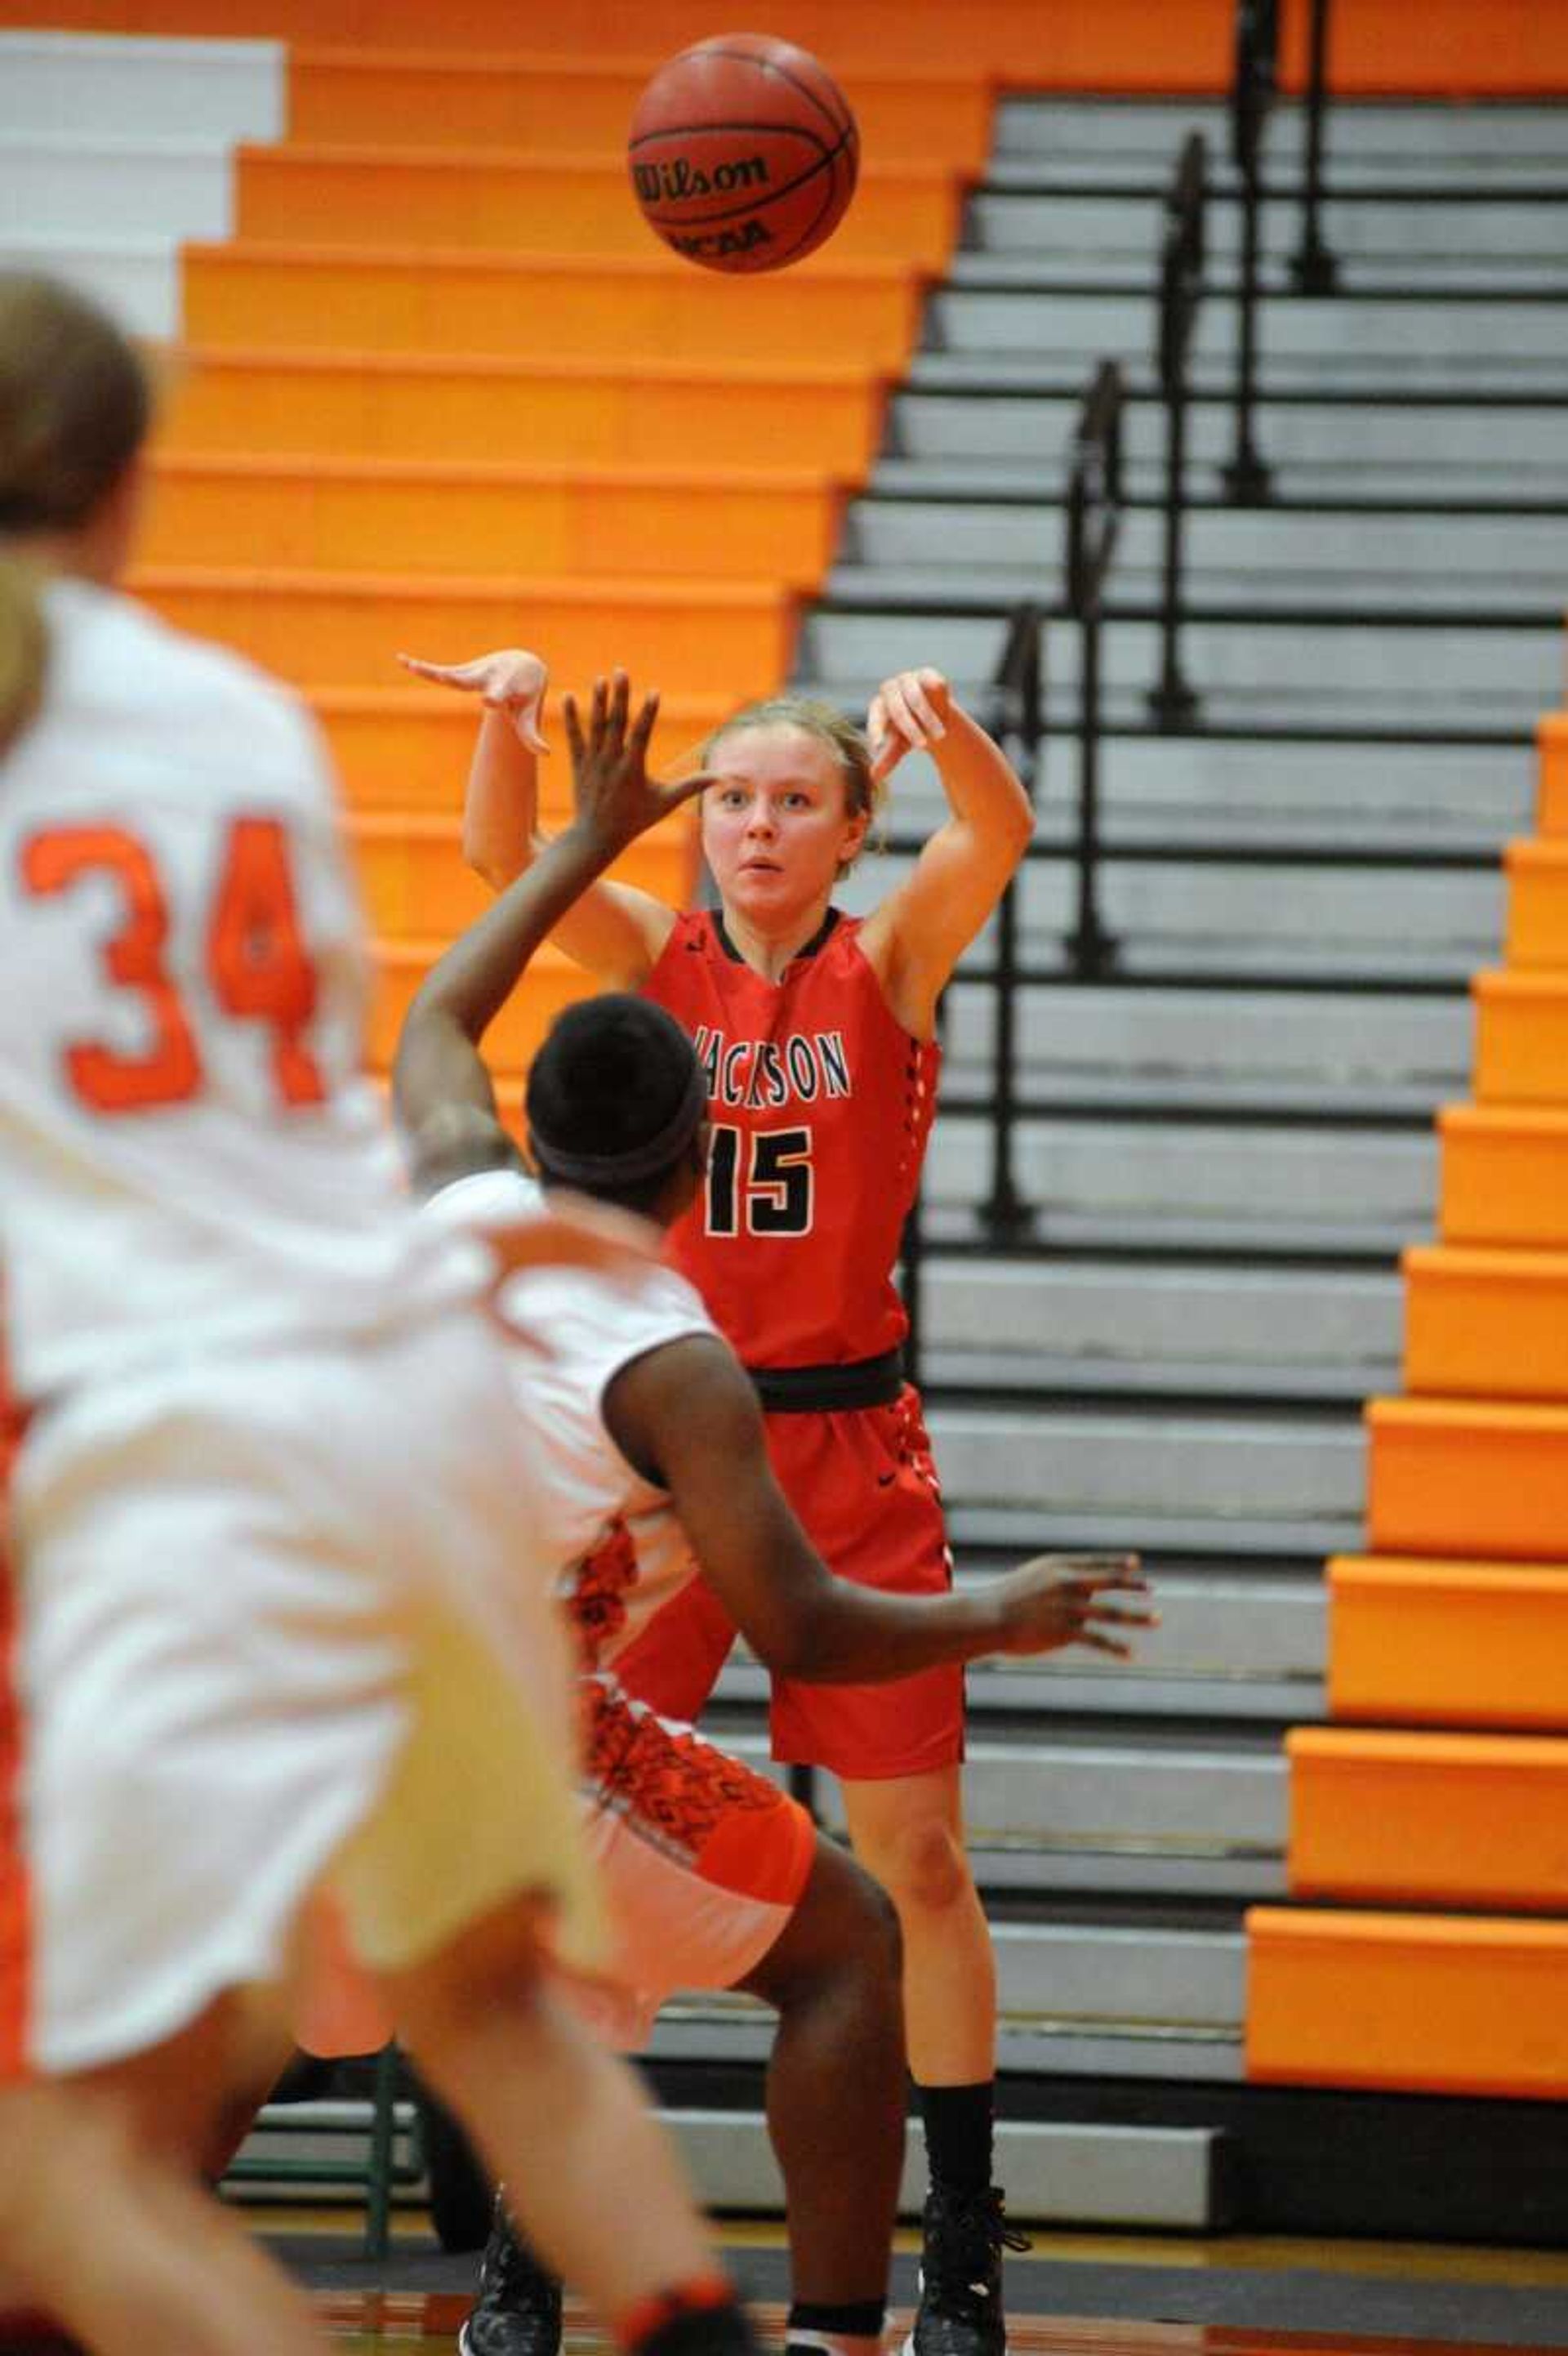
pixel 430 2323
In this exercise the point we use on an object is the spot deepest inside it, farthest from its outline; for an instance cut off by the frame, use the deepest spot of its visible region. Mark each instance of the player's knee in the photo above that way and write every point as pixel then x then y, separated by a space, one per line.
pixel 925 1868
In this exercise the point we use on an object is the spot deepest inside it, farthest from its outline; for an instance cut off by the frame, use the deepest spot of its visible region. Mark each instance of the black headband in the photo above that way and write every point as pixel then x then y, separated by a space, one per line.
pixel 656 1154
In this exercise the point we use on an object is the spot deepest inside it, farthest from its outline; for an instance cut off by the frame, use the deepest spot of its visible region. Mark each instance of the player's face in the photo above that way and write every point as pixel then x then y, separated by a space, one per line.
pixel 775 829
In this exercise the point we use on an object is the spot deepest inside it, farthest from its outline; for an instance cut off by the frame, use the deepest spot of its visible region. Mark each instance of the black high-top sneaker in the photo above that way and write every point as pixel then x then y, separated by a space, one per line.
pixel 517 2311
pixel 960 2311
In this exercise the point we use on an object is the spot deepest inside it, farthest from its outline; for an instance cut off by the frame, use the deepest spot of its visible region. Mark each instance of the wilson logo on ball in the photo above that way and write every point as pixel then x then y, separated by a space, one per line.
pixel 676 183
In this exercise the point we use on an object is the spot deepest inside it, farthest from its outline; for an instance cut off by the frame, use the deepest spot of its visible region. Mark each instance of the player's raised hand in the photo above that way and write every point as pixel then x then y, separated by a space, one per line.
pixel 616 799
pixel 908 712
pixel 1070 1599
pixel 511 680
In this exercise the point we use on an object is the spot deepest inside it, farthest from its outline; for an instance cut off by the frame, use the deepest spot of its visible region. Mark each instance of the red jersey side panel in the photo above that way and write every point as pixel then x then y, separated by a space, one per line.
pixel 821 1106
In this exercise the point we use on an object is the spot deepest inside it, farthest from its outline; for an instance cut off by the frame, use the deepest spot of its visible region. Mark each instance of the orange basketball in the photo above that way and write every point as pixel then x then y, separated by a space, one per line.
pixel 743 153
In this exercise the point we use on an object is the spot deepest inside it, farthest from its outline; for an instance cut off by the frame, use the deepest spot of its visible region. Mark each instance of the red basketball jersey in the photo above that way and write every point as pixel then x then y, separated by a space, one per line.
pixel 821 1104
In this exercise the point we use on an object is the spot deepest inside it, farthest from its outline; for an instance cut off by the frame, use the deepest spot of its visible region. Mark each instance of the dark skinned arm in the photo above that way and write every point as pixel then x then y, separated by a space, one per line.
pixel 686 1416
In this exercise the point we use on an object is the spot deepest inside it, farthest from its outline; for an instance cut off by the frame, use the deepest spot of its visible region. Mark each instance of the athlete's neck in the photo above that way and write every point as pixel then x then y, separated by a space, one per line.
pixel 768 949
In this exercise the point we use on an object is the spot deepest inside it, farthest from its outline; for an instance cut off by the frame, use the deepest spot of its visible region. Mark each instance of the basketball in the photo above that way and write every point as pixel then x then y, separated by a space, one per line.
pixel 743 153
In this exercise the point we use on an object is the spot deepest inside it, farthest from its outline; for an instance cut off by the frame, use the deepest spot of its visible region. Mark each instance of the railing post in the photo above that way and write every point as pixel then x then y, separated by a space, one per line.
pixel 1094 518
pixel 1313 267
pixel 1172 702
pixel 1007 1215
pixel 1247 479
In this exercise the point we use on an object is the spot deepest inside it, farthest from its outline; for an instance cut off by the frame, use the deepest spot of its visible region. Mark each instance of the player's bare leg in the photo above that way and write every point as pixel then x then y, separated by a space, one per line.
pixel 909 1832
pixel 836 2101
pixel 164 2267
pixel 601 2194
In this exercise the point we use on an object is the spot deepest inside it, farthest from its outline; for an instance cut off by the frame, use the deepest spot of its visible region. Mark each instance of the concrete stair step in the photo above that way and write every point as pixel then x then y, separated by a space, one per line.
pixel 1172 1184
pixel 1391 669
pixel 1472 139
pixel 1156 2176
pixel 94 84
pixel 1055 1326
pixel 1057 1464
pixel 165 188
pixel 1372 231
pixel 1290 555
pixel 136 279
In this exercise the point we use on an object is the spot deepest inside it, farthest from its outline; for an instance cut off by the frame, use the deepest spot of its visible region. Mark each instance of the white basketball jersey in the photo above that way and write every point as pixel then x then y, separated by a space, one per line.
pixel 189 1156
pixel 572 1331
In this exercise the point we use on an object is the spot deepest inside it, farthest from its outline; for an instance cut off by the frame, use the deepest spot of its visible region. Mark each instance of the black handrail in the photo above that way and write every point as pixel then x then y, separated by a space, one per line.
pixel 1172 701
pixel 1313 267
pixel 1094 521
pixel 1246 478
pixel 1018 723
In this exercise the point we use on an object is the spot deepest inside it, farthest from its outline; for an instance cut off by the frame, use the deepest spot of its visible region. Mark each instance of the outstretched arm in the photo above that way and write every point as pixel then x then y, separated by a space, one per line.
pixel 918 933
pixel 615 930
pixel 687 1415
pixel 440 1083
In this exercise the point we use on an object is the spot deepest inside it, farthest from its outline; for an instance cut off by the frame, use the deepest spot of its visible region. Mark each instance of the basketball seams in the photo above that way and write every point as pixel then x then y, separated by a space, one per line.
pixel 703 130
pixel 771 65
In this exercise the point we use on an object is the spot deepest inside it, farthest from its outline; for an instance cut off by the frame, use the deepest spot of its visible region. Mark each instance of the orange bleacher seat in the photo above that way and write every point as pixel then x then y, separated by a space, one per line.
pixel 1468 1477
pixel 1426 2003
pixel 408 748
pixel 324 629
pixel 1419 1818
pixel 1551 790
pixel 489 197
pixel 1504 1175
pixel 1486 1324
pixel 310 297
pixel 733 412
pixel 1521 1038
pixel 414 516
pixel 553 982
pixel 1538 906
pixel 555 104
pixel 1448 1643
pixel 417 885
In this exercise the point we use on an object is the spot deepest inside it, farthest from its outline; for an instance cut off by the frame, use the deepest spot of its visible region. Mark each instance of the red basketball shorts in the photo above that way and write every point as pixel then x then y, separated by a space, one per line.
pixel 864 1486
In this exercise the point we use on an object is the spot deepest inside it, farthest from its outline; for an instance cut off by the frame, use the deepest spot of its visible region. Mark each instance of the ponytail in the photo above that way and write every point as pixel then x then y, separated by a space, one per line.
pixel 24 648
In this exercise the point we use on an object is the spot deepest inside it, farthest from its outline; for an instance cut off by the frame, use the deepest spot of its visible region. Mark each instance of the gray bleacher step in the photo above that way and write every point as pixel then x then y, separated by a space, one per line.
pixel 1159 2178
pixel 1321 921
pixel 1079 1327
pixel 1075 1685
pixel 1287 555
pixel 150 186
pixel 136 279
pixel 92 83
pixel 1052 1525
pixel 1391 667
pixel 1479 141
pixel 1171 1183
pixel 1020 565
pixel 990 411
pixel 1057 1464
pixel 1032 2047
pixel 1227 1646
pixel 1291 1039
pixel 1371 229
pixel 1165 791
pixel 1448 342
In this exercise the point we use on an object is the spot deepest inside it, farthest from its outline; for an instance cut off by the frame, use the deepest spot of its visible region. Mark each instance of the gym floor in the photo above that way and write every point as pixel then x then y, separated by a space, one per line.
pixel 1075 2294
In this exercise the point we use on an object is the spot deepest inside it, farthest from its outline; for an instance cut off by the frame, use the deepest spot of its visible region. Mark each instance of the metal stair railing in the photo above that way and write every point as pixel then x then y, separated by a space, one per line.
pixel 1246 478
pixel 1313 267
pixel 1173 704
pixel 1094 522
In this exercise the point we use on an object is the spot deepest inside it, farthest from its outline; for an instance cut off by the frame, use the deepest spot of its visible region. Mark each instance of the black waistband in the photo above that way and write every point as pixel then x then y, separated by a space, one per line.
pixel 805 1390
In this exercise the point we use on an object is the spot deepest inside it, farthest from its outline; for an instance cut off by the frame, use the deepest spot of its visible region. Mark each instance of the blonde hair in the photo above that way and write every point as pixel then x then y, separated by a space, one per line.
pixel 848 744
pixel 74 410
